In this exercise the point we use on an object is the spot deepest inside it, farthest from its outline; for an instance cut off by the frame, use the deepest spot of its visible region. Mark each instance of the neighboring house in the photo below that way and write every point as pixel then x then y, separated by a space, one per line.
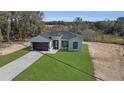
pixel 57 40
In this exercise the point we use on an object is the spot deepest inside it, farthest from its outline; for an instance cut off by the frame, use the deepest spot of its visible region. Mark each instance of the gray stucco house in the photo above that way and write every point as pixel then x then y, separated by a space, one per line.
pixel 64 40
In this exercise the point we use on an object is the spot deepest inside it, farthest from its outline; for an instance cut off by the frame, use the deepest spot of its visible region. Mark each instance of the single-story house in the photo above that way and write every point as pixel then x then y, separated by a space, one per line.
pixel 64 40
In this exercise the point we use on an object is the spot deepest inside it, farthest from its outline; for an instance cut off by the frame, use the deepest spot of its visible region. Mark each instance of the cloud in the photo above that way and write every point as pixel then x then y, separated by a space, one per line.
pixel 72 18
pixel 58 18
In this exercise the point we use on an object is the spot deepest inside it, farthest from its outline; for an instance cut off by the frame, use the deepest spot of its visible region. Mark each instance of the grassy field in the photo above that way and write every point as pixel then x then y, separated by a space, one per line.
pixel 11 57
pixel 110 39
pixel 49 69
pixel 104 39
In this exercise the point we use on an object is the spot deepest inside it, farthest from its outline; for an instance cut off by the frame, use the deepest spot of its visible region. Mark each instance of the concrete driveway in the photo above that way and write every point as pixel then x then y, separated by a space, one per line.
pixel 11 70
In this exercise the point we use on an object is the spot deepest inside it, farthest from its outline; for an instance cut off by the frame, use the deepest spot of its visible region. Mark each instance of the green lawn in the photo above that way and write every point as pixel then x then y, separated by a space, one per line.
pixel 11 57
pixel 49 69
pixel 104 38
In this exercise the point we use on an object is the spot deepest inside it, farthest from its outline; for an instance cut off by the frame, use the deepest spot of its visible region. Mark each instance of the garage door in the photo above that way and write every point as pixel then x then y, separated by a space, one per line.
pixel 40 46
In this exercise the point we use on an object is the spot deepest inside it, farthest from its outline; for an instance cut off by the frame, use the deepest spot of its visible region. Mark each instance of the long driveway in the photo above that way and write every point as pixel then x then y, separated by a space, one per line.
pixel 11 70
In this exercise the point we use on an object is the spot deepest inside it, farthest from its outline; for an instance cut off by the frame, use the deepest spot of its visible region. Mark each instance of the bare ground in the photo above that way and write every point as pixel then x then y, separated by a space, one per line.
pixel 108 60
pixel 7 48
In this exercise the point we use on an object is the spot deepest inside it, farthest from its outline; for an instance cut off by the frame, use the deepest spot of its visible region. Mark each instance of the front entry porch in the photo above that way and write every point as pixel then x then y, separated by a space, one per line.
pixel 55 44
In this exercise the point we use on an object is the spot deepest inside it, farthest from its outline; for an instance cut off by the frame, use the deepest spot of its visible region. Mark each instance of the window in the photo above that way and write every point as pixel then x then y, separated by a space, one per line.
pixel 65 45
pixel 75 45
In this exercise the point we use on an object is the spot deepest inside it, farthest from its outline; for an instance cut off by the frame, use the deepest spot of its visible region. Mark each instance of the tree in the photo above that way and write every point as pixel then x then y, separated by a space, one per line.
pixel 30 23
pixel 79 25
pixel 1 36
pixel 17 25
pixel 119 26
pixel 5 18
pixel 106 26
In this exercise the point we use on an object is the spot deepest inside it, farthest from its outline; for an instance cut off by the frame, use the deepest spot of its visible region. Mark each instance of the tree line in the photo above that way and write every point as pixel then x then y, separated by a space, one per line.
pixel 110 27
pixel 18 25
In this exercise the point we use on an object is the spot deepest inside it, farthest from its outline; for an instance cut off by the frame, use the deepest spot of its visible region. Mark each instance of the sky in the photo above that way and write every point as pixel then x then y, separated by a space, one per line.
pixel 85 15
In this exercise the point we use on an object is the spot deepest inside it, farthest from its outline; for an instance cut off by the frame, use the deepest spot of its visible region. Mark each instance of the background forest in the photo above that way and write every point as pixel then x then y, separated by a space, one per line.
pixel 21 25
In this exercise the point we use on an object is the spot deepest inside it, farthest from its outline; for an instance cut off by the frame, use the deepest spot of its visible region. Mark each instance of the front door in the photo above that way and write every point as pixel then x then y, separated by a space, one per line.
pixel 55 44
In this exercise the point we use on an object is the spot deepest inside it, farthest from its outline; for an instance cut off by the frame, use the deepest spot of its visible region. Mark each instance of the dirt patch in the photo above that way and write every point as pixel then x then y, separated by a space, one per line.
pixel 108 60
pixel 7 48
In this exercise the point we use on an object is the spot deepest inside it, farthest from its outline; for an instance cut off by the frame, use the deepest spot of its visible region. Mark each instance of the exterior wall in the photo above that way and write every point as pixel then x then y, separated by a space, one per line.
pixel 31 46
pixel 76 39
pixel 70 45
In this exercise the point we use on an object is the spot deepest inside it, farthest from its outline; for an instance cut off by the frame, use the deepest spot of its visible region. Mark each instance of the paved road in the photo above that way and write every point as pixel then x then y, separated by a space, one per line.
pixel 11 70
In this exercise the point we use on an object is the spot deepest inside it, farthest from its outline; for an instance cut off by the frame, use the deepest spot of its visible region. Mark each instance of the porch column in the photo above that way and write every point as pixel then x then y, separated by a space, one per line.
pixel 50 46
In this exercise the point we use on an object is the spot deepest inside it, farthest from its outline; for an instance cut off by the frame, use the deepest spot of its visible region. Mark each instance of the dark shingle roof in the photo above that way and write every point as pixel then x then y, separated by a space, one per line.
pixel 64 34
